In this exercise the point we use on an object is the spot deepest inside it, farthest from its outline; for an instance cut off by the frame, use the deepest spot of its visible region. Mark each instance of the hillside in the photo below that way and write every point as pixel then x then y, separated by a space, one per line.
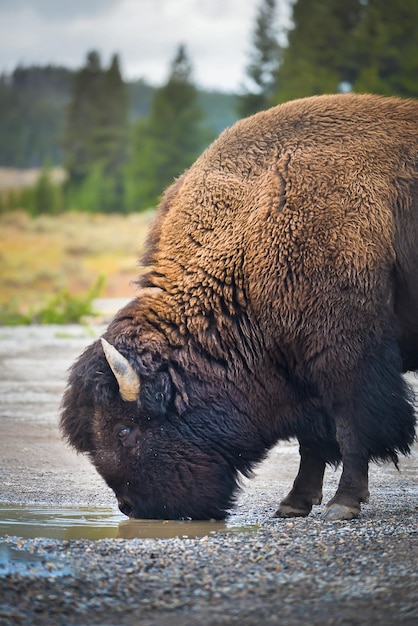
pixel 33 103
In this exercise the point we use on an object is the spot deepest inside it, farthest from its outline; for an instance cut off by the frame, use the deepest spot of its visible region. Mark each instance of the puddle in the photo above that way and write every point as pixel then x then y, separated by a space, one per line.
pixel 25 562
pixel 133 528
pixel 30 522
pixel 59 522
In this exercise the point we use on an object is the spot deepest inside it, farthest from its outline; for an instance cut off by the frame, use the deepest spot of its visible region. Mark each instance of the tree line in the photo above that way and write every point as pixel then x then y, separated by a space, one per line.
pixel 122 143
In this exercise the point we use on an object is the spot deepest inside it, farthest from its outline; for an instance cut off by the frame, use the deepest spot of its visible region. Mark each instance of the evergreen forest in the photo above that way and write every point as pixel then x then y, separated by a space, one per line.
pixel 122 143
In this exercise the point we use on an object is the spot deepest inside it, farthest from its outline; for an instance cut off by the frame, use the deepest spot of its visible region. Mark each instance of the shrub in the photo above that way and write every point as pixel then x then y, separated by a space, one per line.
pixel 63 308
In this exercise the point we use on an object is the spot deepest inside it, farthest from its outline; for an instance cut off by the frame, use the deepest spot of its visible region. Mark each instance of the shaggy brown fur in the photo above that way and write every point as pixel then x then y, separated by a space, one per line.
pixel 286 262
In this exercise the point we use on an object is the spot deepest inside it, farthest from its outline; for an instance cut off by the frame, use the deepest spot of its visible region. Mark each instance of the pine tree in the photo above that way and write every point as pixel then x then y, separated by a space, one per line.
pixel 47 195
pixel 315 59
pixel 112 119
pixel 112 136
pixel 264 62
pixel 385 48
pixel 170 139
pixel 97 132
pixel 80 142
pixel 362 45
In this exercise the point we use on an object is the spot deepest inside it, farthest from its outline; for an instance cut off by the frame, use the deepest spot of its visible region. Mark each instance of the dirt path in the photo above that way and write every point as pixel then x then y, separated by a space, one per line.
pixel 35 464
pixel 284 572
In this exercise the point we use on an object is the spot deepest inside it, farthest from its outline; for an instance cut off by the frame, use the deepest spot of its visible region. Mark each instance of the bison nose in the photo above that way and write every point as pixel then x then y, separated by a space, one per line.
pixel 125 507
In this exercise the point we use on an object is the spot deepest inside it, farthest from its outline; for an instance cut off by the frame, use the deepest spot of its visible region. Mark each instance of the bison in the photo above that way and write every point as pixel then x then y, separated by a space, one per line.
pixel 279 300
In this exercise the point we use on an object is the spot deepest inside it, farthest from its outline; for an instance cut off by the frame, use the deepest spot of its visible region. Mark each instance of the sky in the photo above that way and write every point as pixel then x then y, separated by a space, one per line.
pixel 145 33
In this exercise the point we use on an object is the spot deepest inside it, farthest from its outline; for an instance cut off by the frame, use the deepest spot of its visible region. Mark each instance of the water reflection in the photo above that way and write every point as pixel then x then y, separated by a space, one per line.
pixel 30 521
pixel 139 528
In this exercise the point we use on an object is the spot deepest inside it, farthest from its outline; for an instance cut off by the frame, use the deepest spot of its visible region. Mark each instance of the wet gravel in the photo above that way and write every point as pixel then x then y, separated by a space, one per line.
pixel 277 572
pixel 284 573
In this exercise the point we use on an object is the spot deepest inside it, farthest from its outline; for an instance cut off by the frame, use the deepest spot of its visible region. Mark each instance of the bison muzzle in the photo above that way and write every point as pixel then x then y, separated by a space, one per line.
pixel 280 300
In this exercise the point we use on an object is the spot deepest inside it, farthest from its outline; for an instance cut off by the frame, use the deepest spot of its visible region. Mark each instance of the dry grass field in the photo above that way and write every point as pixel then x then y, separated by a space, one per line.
pixel 13 178
pixel 43 255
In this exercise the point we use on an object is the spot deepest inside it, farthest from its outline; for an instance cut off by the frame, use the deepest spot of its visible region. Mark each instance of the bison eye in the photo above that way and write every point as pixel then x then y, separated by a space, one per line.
pixel 124 432
pixel 160 397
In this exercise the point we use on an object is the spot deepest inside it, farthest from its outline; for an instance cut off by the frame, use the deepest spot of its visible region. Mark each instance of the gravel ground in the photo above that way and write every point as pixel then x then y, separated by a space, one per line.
pixel 255 570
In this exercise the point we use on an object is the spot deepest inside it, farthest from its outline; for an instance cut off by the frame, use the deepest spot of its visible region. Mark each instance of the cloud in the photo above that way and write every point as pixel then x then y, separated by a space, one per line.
pixel 55 10
pixel 145 34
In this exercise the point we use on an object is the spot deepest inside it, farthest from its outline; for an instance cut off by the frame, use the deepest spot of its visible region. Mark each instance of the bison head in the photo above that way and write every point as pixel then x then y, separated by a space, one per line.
pixel 168 444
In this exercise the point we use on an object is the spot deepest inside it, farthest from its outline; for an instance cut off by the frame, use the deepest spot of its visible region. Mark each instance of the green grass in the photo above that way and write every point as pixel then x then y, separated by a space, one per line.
pixel 63 308
pixel 51 265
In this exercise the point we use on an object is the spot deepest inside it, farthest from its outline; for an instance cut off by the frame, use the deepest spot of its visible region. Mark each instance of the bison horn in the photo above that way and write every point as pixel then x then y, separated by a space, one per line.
pixel 128 379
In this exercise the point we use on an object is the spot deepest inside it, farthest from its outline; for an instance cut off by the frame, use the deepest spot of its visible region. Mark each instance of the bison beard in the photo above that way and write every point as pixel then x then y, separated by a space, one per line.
pixel 280 300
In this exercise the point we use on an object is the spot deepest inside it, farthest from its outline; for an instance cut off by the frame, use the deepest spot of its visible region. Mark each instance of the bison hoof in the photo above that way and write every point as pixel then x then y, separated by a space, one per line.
pixel 286 510
pixel 337 512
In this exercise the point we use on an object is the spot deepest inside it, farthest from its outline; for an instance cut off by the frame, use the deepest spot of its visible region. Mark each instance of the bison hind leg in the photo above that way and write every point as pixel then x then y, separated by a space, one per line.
pixel 307 487
pixel 377 424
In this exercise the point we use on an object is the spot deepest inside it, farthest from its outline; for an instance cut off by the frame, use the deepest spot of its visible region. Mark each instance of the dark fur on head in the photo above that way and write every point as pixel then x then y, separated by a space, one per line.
pixel 182 451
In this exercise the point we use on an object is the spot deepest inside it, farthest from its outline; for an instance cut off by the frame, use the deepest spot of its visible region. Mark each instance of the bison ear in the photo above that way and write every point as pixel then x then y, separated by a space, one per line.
pixel 76 421
pixel 127 378
pixel 77 407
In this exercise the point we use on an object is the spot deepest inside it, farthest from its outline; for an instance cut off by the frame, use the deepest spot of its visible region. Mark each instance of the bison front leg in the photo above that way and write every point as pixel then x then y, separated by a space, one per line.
pixel 353 486
pixel 307 487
